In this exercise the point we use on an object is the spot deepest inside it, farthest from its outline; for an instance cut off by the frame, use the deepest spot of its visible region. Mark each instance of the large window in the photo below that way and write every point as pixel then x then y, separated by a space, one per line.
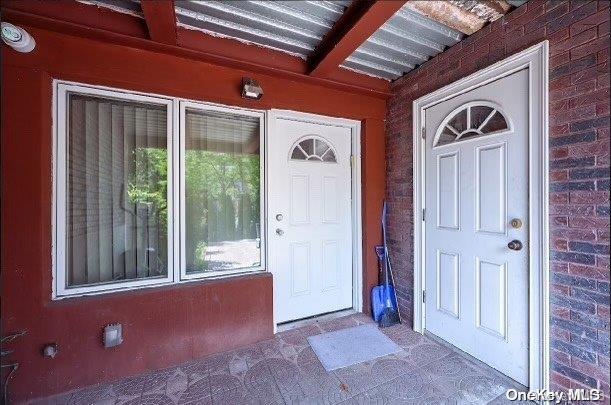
pixel 120 162
pixel 222 192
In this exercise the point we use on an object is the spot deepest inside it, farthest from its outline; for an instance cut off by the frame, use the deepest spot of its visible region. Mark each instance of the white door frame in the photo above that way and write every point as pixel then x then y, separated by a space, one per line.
pixel 536 59
pixel 357 250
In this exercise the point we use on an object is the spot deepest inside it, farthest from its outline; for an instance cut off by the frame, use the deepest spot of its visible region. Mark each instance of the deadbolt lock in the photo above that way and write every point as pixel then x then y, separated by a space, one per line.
pixel 516 223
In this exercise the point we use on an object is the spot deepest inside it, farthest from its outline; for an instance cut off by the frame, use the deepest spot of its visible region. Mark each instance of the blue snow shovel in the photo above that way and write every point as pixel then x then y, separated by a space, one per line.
pixel 383 297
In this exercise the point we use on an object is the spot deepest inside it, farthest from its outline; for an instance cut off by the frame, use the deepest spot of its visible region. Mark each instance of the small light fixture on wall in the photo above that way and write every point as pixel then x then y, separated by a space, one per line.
pixel 251 89
pixel 17 38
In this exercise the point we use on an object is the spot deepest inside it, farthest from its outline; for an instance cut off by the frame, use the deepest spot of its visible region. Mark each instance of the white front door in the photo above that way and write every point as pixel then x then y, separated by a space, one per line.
pixel 309 218
pixel 476 182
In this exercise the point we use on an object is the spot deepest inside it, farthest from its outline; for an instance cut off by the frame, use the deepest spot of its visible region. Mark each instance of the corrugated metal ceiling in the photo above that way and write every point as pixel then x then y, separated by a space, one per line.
pixel 405 41
pixel 295 27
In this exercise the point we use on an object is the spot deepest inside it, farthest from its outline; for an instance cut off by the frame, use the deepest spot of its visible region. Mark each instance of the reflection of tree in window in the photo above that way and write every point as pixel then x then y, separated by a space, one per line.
pixel 222 191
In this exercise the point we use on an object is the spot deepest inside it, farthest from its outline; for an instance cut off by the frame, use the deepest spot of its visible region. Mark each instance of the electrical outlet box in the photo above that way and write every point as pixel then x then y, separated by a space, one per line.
pixel 113 335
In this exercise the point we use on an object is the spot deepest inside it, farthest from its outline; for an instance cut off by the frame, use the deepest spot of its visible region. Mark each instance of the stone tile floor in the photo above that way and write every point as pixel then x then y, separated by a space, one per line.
pixel 285 370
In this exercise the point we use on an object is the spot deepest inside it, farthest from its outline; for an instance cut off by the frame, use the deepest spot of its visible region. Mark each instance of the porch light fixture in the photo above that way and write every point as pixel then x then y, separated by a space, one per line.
pixel 17 38
pixel 251 89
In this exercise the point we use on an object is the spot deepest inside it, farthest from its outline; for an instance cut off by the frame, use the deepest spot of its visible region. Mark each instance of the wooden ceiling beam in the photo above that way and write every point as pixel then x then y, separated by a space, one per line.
pixel 360 20
pixel 161 20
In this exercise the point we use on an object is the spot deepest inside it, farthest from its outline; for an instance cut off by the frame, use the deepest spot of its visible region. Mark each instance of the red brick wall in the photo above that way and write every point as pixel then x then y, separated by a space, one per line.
pixel 578 32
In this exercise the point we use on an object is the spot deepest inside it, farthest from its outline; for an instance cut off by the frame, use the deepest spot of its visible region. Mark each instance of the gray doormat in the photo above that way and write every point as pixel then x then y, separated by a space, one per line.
pixel 345 347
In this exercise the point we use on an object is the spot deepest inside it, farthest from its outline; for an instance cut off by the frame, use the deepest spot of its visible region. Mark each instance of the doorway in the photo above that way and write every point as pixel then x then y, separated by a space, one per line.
pixel 311 215
pixel 481 216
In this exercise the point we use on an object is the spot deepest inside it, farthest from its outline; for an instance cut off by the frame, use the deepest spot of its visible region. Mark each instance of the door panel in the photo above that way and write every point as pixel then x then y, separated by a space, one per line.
pixel 491 185
pixel 300 268
pixel 447 282
pixel 300 200
pixel 476 182
pixel 491 297
pixel 310 218
pixel 448 185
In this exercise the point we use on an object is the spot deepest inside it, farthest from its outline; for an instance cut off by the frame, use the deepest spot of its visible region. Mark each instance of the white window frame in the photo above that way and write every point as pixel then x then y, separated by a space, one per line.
pixel 176 135
pixel 184 105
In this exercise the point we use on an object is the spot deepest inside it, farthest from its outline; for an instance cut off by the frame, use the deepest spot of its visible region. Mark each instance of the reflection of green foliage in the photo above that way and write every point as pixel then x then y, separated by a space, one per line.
pixel 149 181
pixel 222 192
pixel 200 256
pixel 222 195
pixel 222 199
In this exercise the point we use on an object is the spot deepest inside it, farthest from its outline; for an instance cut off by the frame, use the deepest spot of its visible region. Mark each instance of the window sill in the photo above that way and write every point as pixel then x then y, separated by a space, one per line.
pixel 165 285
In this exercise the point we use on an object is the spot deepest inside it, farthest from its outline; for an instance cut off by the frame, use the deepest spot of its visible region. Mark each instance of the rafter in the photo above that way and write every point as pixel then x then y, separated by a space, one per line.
pixel 161 20
pixel 360 20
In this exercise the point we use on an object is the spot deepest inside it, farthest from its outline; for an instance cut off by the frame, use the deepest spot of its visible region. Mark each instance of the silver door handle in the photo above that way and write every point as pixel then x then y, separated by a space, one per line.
pixel 279 232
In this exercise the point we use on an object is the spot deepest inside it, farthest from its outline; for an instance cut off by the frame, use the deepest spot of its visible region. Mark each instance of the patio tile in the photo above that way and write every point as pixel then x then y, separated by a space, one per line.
pixel 154 382
pixel 359 377
pixel 197 392
pixel 403 336
pixel 311 330
pixel 476 389
pixel 270 348
pixel 414 388
pixel 177 383
pixel 390 367
pixel 372 397
pixel 282 369
pixel 425 353
pixel 150 399
pixel 337 324
pixel 292 337
pixel 450 366
pixel 361 318
pixel 255 392
pixel 502 400
pixel 224 382
pixel 94 395
pixel 285 369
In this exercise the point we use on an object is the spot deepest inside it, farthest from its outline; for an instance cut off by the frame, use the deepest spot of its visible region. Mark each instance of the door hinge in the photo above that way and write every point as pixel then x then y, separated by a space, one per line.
pixel 351 161
pixel 423 213
pixel 424 296
pixel 423 132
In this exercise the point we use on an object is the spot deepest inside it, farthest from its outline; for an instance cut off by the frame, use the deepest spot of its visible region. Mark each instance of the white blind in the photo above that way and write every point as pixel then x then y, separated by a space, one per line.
pixel 117 192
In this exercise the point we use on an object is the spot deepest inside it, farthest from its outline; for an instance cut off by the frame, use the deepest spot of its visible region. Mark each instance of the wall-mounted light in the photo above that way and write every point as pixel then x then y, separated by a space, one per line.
pixel 17 38
pixel 251 89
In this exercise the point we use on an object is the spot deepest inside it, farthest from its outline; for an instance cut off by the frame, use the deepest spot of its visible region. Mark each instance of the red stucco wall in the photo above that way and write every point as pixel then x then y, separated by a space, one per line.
pixel 165 325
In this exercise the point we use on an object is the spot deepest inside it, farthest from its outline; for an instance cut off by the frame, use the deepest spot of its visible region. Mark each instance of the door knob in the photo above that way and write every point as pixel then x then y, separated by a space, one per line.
pixel 515 245
pixel 279 232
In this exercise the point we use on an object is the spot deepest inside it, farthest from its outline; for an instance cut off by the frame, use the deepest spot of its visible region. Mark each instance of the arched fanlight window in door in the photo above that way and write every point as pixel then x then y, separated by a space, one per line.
pixel 473 119
pixel 313 148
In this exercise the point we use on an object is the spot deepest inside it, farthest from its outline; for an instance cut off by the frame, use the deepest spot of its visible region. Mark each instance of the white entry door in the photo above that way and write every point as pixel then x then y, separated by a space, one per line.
pixel 309 217
pixel 476 181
